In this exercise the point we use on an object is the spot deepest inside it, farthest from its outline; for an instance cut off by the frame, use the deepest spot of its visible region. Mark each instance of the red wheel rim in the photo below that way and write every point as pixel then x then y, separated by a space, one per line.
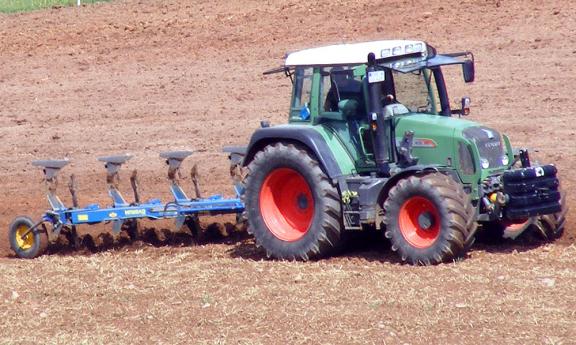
pixel 286 204
pixel 419 222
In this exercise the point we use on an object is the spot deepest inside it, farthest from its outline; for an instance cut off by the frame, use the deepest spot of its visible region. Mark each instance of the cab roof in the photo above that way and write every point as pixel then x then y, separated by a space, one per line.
pixel 355 53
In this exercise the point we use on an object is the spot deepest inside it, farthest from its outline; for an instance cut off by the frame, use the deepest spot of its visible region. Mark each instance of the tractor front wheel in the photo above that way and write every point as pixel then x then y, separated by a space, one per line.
pixel 27 244
pixel 293 209
pixel 428 219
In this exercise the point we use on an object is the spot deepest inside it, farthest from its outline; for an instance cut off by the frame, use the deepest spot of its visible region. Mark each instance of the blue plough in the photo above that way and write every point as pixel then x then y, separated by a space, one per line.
pixel 30 239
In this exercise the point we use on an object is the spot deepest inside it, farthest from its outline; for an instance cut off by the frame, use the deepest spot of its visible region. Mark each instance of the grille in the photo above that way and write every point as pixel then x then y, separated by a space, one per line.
pixel 488 142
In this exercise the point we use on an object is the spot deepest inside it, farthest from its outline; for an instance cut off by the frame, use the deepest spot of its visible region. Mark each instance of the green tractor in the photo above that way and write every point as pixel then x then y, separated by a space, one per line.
pixel 372 143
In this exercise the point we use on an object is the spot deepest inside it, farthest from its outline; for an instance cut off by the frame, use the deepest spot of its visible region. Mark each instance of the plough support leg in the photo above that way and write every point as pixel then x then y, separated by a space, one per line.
pixel 134 184
pixel 196 181
pixel 113 164
pixel 174 159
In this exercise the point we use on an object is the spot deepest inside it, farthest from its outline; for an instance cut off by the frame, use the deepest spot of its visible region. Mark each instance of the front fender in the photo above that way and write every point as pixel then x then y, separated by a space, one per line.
pixel 413 170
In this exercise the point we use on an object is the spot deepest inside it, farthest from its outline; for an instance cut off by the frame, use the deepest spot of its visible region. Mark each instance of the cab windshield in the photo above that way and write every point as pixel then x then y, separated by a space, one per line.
pixel 416 90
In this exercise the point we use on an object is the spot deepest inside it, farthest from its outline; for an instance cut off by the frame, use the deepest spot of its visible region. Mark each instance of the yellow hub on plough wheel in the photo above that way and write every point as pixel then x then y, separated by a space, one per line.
pixel 28 241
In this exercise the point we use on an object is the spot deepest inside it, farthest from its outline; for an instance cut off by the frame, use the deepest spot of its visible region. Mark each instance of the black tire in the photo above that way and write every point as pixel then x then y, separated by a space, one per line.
pixel 306 185
pixel 429 219
pixel 35 243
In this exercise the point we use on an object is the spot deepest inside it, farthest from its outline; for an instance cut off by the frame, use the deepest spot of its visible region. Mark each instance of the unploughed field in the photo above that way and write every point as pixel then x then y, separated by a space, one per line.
pixel 148 76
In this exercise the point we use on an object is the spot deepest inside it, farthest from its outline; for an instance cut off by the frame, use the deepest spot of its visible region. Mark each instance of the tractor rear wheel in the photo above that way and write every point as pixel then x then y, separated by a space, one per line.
pixel 429 219
pixel 33 244
pixel 293 209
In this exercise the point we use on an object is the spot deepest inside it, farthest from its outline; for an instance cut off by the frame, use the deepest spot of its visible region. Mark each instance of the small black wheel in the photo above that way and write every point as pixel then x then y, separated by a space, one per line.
pixel 33 244
pixel 429 219
pixel 293 209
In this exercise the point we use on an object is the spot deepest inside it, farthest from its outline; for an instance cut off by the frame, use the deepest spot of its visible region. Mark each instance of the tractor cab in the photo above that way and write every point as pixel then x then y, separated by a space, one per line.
pixel 339 88
pixel 409 73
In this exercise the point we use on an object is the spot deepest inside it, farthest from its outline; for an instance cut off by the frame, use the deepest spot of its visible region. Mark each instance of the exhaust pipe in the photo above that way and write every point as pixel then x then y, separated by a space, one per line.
pixel 379 127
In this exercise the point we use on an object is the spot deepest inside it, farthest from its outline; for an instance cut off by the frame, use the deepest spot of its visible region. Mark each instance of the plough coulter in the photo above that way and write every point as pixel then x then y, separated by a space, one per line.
pixel 30 239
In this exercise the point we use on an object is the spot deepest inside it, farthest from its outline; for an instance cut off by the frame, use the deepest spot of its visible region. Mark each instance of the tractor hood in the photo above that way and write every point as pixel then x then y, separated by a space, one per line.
pixel 453 142
pixel 433 122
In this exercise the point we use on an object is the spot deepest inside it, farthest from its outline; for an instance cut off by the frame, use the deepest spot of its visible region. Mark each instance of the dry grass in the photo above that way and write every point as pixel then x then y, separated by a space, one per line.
pixel 221 294
pixel 10 6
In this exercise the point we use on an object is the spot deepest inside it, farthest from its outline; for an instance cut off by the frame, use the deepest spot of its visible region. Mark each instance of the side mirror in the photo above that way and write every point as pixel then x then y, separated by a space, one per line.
pixel 468 71
pixel 465 106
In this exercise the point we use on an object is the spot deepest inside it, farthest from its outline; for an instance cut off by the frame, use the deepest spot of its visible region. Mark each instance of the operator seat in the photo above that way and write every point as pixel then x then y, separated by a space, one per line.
pixel 343 86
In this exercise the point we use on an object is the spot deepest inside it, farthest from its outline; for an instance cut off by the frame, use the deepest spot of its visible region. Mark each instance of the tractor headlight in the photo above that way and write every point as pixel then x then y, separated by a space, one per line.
pixel 505 160
pixel 485 163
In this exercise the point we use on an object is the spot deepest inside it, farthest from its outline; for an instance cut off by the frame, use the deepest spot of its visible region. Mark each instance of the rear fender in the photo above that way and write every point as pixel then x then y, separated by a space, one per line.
pixel 303 135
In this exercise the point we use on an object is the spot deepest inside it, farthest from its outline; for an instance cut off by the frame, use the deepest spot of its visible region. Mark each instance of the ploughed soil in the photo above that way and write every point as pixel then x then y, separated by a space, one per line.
pixel 149 76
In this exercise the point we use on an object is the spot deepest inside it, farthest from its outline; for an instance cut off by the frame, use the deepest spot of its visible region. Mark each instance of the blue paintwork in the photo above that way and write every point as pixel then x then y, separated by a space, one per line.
pixel 183 210
pixel 182 206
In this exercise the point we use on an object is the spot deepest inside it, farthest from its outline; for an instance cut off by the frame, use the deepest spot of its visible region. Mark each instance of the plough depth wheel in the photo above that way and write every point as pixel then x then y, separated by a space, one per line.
pixel 27 244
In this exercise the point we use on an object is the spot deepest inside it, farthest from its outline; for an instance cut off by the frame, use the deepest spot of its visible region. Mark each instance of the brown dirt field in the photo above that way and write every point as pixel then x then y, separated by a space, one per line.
pixel 147 76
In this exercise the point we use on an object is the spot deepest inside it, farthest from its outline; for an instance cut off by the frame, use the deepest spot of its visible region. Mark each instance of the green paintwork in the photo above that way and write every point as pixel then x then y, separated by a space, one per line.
pixel 447 133
pixel 343 134
pixel 344 156
pixel 431 94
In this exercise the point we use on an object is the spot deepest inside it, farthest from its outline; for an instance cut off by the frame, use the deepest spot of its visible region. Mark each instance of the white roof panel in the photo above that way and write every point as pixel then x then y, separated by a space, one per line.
pixel 353 53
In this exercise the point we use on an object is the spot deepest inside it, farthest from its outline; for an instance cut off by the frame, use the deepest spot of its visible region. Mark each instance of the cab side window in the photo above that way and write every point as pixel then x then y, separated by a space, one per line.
pixel 339 84
pixel 300 106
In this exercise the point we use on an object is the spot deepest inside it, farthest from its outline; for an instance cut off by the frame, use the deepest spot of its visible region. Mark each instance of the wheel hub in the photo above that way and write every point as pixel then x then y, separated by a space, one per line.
pixel 286 204
pixel 426 220
pixel 302 201
pixel 419 222
pixel 28 241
